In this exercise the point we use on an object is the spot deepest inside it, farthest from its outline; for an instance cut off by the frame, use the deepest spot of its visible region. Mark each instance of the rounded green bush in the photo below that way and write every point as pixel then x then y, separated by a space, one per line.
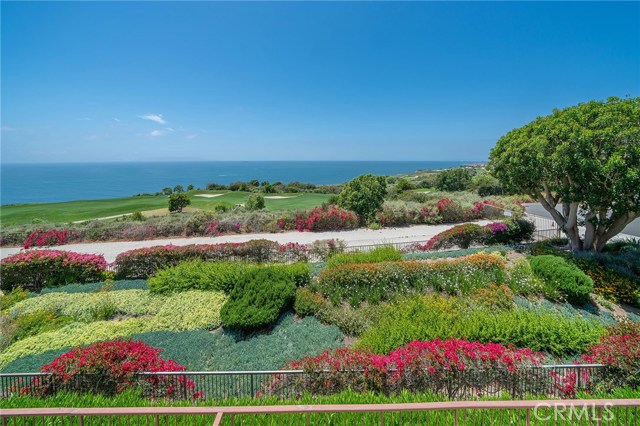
pixel 258 301
pixel 567 278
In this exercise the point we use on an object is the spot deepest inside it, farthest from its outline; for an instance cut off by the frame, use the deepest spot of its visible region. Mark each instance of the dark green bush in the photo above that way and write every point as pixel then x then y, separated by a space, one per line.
pixel 382 254
pixel 257 300
pixel 567 278
pixel 223 276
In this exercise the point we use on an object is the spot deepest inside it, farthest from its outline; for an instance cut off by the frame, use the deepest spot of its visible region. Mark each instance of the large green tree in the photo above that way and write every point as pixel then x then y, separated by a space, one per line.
pixel 364 195
pixel 584 159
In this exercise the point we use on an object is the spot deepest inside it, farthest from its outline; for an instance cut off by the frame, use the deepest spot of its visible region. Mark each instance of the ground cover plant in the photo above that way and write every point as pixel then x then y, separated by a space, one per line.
pixel 102 286
pixel 190 310
pixel 224 350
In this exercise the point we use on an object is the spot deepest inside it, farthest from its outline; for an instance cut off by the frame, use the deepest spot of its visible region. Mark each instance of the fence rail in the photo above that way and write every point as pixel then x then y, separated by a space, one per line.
pixel 459 413
pixel 548 380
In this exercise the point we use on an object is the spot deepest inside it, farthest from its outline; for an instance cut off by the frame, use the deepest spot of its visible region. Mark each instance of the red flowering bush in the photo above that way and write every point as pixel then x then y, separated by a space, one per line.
pixel 461 235
pixel 451 211
pixel 619 350
pixel 34 270
pixel 450 367
pixel 144 262
pixel 318 219
pixel 109 368
pixel 52 237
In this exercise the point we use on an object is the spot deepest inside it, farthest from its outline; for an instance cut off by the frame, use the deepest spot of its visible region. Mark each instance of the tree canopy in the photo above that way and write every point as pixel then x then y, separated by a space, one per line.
pixel 584 159
pixel 364 195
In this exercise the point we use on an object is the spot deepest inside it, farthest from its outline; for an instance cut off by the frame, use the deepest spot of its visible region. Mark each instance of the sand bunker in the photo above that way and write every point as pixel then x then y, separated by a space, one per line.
pixel 208 195
pixel 278 197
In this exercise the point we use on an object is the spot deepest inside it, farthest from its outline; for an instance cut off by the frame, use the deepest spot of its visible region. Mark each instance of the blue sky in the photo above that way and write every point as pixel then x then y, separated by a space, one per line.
pixel 125 81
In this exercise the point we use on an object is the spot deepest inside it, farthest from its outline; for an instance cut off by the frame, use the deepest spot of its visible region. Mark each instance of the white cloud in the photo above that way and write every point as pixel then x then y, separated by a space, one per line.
pixel 84 119
pixel 192 136
pixel 9 129
pixel 157 118
pixel 156 133
pixel 116 119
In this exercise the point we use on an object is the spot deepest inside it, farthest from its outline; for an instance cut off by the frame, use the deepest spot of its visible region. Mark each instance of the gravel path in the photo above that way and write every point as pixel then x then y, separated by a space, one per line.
pixel 357 237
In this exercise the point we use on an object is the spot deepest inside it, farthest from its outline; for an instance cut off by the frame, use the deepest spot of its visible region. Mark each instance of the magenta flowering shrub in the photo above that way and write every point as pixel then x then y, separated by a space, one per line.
pixel 460 235
pixel 34 270
pixel 451 367
pixel 111 367
pixel 52 237
pixel 319 219
pixel 144 262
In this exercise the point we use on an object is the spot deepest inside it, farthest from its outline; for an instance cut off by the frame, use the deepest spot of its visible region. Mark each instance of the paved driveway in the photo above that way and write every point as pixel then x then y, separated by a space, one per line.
pixel 633 229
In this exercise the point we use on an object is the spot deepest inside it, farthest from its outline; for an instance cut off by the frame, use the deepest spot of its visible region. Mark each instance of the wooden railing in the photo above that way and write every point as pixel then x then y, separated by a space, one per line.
pixel 538 412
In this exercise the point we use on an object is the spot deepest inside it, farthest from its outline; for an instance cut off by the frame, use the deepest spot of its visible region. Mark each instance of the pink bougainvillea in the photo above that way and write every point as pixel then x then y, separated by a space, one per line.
pixel 112 367
pixel 416 366
pixel 52 237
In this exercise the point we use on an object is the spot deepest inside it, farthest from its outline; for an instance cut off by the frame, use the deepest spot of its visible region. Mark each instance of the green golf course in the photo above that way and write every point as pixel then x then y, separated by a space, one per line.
pixel 17 214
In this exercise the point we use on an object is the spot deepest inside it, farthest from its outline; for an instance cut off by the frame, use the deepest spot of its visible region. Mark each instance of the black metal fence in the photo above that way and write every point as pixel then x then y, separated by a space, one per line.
pixel 549 380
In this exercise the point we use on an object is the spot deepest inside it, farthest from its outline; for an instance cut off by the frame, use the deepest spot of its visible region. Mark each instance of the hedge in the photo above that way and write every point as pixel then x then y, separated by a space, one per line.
pixel 378 282
pixel 222 276
pixel 37 269
pixel 567 278
pixel 144 262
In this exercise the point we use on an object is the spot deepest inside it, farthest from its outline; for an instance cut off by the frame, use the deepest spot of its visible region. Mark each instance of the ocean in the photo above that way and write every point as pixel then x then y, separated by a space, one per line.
pixel 32 183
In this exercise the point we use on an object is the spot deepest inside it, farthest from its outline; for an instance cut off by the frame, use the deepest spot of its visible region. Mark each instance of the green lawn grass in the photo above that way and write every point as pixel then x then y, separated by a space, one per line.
pixel 18 214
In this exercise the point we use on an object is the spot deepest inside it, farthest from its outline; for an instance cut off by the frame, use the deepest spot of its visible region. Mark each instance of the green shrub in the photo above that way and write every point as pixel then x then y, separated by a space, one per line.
pixel 567 278
pixel 177 202
pixel 382 254
pixel 30 325
pixel 434 316
pixel 254 202
pixel 458 179
pixel 522 279
pixel 222 276
pixel 376 282
pixel 258 300
pixel 351 321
